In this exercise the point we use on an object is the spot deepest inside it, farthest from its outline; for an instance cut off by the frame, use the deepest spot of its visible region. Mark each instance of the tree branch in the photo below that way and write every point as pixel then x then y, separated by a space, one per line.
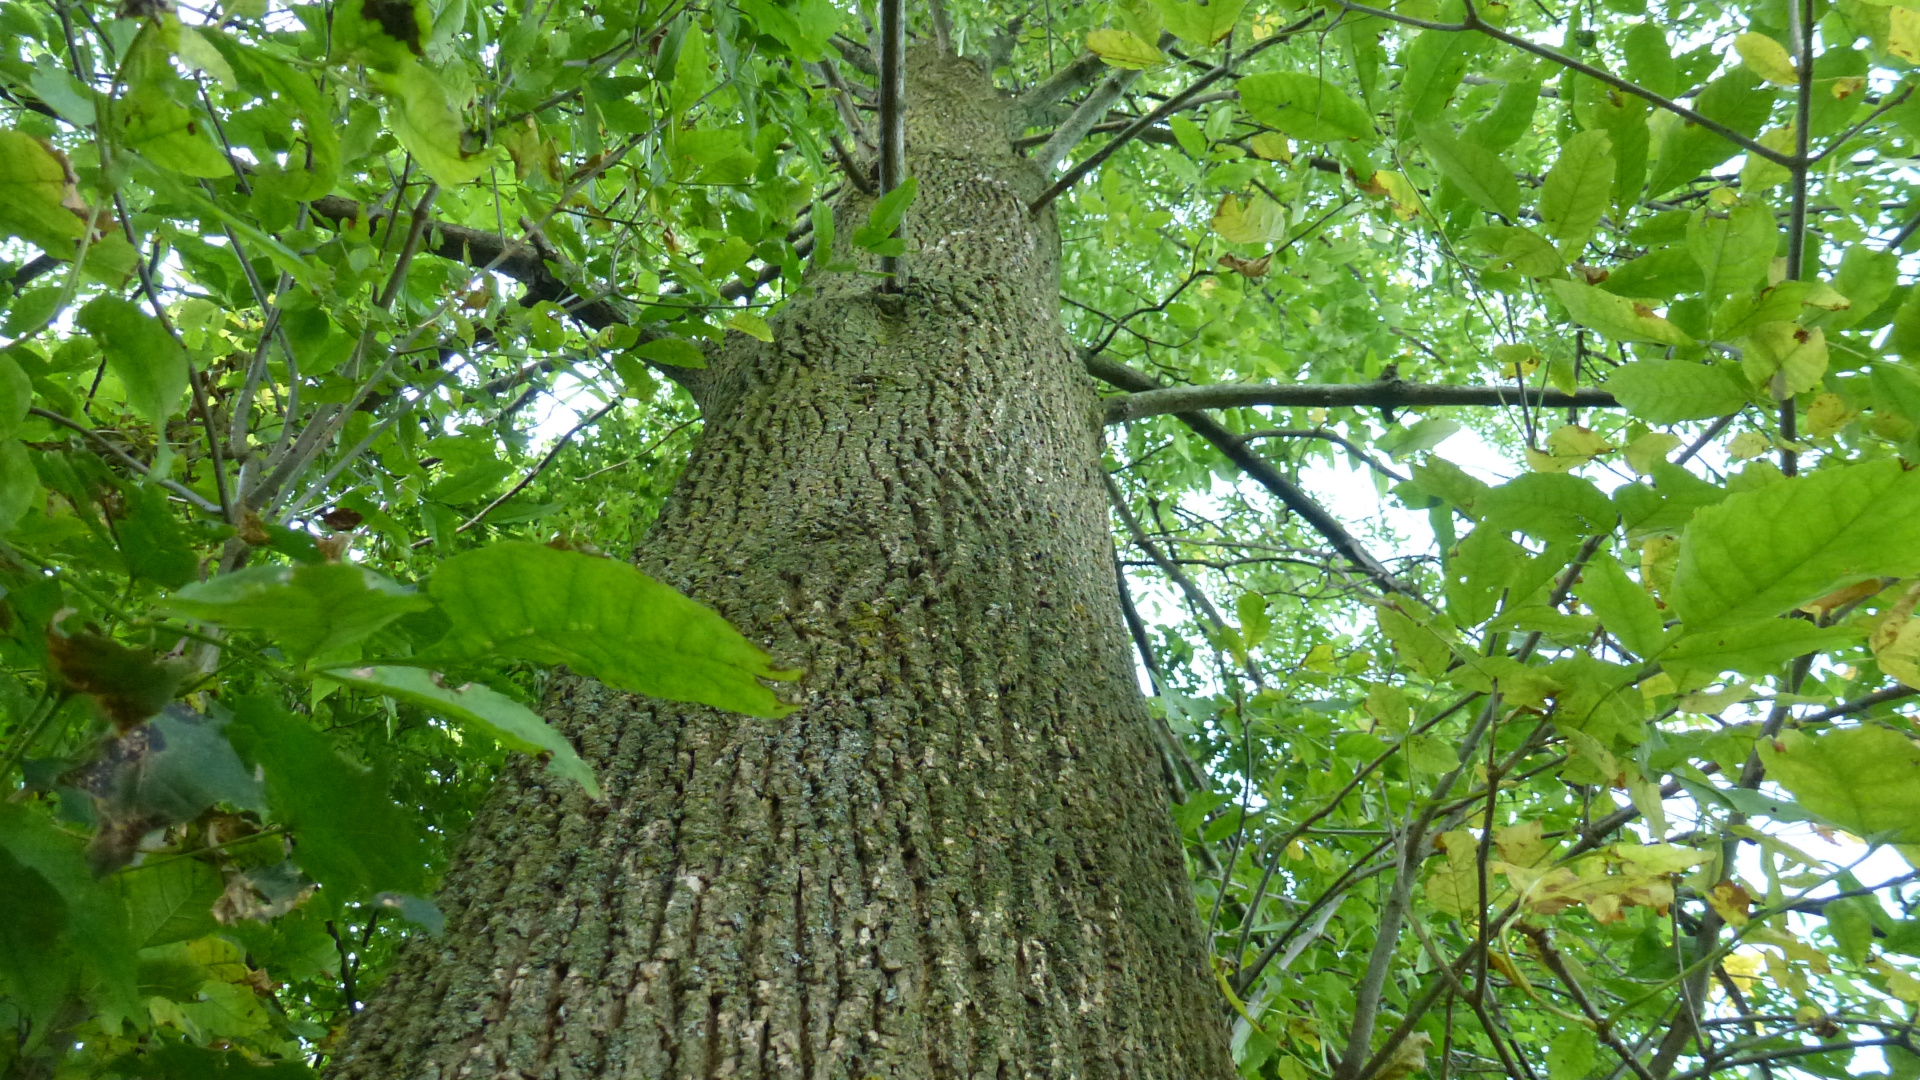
pixel 1261 470
pixel 1167 108
pixel 1061 85
pixel 1385 394
pixel 893 115
pixel 1083 118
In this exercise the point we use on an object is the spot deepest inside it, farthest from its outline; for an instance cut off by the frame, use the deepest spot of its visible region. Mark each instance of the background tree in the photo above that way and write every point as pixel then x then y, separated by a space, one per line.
pixel 318 314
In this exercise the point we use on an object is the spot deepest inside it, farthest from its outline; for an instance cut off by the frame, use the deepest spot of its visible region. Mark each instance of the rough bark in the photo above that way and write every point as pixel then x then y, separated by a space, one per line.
pixel 955 860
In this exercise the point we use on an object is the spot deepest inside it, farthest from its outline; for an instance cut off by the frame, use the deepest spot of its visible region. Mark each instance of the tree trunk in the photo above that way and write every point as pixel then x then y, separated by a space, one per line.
pixel 955 860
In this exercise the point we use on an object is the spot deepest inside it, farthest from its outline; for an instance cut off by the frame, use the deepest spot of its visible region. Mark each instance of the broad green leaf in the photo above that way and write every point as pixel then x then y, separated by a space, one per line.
pixel 487 711
pixel 1669 391
pixel 1436 62
pixel 37 196
pixel 1579 189
pixel 1735 100
pixel 1526 251
pixel 1766 551
pixel 1733 250
pixel 1249 219
pixel 1305 107
pixel 1474 169
pixel 18 484
pixel 602 618
pixel 94 922
pixel 1477 572
pixel 295 179
pixel 1509 119
pixel 672 351
pixel 1198 24
pixel 1866 277
pixel 1860 779
pixel 1618 317
pixel 150 364
pixel 426 117
pixel 309 611
pixel 1753 647
pixel 1626 610
pixel 349 834
pixel 170 899
pixel 186 766
pixel 152 123
pixel 154 546
pixel 1661 274
pixel 1547 506
pixel 16 397
pixel 1650 61
pixel 888 212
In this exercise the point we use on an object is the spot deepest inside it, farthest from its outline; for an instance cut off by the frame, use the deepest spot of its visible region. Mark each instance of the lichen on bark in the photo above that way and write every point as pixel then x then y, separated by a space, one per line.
pixel 955 859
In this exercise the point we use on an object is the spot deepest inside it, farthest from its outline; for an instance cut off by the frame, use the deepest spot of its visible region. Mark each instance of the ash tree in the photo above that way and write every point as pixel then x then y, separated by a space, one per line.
pixel 710 538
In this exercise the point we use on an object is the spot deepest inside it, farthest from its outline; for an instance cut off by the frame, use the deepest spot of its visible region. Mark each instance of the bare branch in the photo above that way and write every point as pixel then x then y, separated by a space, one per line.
pixel 1167 108
pixel 1083 118
pixel 1261 470
pixel 893 113
pixel 1385 394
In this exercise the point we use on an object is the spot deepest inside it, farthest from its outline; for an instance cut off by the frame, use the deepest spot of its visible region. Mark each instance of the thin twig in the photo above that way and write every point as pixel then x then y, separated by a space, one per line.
pixel 893 116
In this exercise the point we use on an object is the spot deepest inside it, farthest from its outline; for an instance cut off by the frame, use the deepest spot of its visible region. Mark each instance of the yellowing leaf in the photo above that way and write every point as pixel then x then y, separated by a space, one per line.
pixel 425 115
pixel 1731 901
pixel 1272 146
pixel 1895 641
pixel 1741 967
pixel 1248 219
pixel 1903 33
pixel 1796 354
pixel 1766 58
pixel 1748 445
pixel 36 193
pixel 1658 858
pixel 1651 449
pixel 1573 440
pixel 1123 49
pixel 1828 414
pixel 1399 191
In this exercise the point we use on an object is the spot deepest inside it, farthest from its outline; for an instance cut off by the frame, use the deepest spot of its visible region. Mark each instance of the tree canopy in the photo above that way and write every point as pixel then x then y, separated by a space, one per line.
pixel 341 340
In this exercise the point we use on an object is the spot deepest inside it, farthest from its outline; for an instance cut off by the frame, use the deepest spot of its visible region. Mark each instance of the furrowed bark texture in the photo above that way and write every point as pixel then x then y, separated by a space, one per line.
pixel 955 860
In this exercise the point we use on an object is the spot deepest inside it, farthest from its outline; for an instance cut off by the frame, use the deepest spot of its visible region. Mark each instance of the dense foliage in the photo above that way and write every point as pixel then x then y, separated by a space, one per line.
pixel 318 315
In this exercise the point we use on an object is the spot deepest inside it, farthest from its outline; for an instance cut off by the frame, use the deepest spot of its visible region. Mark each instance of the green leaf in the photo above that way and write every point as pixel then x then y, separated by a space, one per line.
pixel 1754 647
pixel 1736 100
pixel 35 185
pixel 426 118
pixel 1572 1053
pixel 319 610
pixel 1579 189
pixel 1436 62
pixel 18 484
pixel 1867 276
pixel 671 351
pixel 602 618
pixel 1547 506
pixel 385 35
pixel 150 364
pixel 1197 24
pixel 152 123
pixel 487 711
pixel 1861 779
pixel 152 542
pixel 471 483
pixel 170 899
pixel 1477 572
pixel 1669 391
pixel 1618 317
pixel 1733 251
pixel 187 765
pixel 1660 274
pixel 1305 107
pixel 1650 62
pixel 95 923
pixel 349 834
pixel 16 397
pixel 888 212
pixel 1625 609
pixel 1762 552
pixel 1476 170
pixel 1124 49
